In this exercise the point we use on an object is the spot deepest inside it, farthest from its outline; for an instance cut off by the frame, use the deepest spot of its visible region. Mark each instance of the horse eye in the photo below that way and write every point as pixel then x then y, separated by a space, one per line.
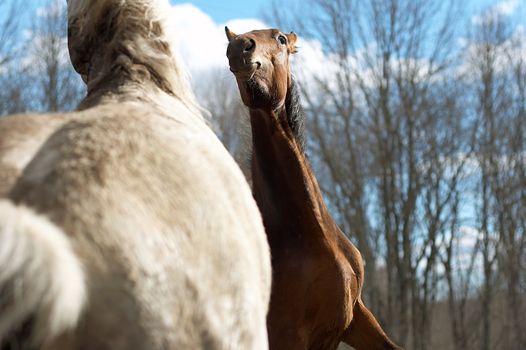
pixel 282 40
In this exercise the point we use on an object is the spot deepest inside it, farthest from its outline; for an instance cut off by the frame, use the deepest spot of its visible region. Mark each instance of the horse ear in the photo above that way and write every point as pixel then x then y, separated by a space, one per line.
pixel 292 38
pixel 230 35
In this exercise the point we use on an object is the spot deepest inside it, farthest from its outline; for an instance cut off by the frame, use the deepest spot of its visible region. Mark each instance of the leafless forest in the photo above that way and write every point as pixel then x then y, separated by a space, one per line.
pixel 416 132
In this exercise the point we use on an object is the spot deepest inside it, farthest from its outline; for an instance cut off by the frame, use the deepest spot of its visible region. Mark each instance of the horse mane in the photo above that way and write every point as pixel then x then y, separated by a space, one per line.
pixel 126 36
pixel 295 113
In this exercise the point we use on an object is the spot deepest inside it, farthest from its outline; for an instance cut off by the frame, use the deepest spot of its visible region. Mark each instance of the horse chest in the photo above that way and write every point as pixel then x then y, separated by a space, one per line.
pixel 311 290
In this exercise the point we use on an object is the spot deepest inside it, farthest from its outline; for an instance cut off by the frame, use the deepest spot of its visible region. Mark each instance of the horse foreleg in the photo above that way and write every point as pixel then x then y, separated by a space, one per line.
pixel 365 333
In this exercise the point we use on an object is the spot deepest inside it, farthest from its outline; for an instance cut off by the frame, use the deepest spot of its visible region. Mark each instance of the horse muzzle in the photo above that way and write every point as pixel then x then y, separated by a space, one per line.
pixel 241 58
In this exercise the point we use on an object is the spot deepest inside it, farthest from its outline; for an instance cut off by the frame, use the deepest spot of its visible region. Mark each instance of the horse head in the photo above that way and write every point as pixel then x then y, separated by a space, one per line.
pixel 260 62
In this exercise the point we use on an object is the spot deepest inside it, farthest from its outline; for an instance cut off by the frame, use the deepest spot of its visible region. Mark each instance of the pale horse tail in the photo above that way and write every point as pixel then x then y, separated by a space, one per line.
pixel 41 278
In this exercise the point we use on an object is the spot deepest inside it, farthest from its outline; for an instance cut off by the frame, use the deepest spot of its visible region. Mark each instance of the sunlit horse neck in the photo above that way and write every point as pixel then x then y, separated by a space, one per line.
pixel 318 273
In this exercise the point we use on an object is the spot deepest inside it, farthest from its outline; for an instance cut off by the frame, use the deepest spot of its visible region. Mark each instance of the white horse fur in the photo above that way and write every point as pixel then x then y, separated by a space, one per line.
pixel 130 227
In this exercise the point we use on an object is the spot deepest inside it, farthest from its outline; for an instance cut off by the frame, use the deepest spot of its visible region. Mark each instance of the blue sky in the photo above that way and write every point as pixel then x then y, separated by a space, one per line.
pixel 222 11
pixel 219 11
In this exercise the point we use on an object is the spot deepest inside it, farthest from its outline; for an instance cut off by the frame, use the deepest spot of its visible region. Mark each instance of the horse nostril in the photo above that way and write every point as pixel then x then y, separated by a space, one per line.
pixel 249 45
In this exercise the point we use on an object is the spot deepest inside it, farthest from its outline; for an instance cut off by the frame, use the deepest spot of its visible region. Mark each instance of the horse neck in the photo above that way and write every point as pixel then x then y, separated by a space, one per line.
pixel 283 182
pixel 119 88
pixel 121 46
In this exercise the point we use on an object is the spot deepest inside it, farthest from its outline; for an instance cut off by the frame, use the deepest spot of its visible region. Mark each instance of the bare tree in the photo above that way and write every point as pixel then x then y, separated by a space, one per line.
pixel 9 28
pixel 219 95
pixel 11 95
pixel 380 127
pixel 57 87
pixel 498 66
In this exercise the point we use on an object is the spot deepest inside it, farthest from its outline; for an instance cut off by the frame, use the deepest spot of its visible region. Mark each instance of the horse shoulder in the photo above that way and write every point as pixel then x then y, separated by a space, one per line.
pixel 20 138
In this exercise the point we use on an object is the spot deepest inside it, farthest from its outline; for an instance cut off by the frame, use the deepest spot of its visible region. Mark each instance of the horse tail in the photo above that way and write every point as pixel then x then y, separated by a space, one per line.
pixel 41 279
pixel 365 333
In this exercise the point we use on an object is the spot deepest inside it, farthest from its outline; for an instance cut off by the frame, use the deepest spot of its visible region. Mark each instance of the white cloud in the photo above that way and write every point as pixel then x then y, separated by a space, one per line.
pixel 243 25
pixel 509 53
pixel 198 38
pixel 311 65
pixel 54 9
pixel 506 8
pixel 502 8
pixel 200 41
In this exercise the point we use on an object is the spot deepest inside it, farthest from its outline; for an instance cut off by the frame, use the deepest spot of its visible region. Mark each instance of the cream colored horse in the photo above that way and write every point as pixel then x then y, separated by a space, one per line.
pixel 131 227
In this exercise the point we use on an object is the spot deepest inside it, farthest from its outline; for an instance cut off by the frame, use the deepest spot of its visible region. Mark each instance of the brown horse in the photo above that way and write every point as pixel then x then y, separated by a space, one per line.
pixel 317 272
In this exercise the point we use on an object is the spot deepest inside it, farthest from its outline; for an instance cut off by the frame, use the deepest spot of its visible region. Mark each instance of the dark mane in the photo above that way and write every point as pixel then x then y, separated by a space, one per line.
pixel 295 113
